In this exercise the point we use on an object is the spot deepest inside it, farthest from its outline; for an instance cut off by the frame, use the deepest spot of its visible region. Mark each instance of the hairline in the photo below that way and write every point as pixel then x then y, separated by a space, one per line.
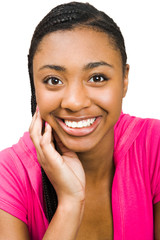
pixel 81 27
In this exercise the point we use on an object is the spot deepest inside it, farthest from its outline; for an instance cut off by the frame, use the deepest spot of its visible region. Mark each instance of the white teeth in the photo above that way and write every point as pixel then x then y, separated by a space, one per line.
pixel 80 124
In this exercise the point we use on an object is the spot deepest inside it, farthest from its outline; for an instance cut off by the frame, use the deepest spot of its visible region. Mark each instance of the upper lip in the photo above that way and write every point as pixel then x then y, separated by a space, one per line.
pixel 80 118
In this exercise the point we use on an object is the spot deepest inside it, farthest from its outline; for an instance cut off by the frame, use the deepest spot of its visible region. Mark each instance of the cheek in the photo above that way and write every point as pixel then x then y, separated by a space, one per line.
pixel 47 102
pixel 108 98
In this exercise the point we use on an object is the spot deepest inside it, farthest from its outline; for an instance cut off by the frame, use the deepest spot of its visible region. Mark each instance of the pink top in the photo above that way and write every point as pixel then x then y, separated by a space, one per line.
pixel 136 184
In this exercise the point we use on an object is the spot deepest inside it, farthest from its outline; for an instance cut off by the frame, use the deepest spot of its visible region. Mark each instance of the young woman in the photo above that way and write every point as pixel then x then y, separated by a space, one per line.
pixel 84 170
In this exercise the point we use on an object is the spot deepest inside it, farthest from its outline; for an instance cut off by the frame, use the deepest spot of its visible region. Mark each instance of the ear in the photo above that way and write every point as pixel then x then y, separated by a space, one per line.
pixel 125 81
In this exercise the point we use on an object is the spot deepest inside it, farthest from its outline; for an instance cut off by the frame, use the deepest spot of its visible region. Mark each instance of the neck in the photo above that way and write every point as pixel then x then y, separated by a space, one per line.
pixel 98 164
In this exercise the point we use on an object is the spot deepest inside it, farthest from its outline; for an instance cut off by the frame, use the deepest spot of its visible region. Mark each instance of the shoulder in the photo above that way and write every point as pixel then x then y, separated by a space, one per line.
pixel 129 128
pixel 141 133
pixel 8 163
pixel 20 177
pixel 130 123
pixel 19 163
pixel 21 154
pixel 13 192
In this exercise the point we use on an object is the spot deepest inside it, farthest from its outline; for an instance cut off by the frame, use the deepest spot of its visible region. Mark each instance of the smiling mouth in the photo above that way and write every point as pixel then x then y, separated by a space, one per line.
pixel 79 128
pixel 79 124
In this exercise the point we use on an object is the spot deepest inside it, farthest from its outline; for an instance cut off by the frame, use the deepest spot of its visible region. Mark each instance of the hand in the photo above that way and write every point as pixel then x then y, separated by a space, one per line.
pixel 65 171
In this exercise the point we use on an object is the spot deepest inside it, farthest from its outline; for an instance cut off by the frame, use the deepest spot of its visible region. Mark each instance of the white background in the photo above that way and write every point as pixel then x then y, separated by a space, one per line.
pixel 139 21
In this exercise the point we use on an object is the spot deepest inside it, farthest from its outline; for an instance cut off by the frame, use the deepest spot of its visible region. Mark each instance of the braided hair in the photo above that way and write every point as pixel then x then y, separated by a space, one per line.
pixel 67 17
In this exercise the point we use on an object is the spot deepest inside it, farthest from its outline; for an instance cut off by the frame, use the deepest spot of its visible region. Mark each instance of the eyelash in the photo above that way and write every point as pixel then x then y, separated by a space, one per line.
pixel 46 81
pixel 100 76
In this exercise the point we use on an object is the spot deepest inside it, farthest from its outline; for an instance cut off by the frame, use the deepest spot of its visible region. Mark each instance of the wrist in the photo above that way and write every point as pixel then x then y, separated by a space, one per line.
pixel 68 217
pixel 68 204
pixel 75 199
pixel 72 208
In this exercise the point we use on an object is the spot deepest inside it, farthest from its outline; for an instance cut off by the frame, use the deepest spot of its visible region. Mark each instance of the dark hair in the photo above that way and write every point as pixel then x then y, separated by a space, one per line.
pixel 67 17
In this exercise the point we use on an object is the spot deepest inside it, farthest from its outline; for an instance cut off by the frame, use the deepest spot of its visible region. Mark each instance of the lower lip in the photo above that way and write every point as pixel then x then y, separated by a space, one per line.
pixel 79 132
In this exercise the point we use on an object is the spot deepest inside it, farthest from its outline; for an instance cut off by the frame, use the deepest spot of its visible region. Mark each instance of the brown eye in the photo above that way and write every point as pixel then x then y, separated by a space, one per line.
pixel 98 78
pixel 53 81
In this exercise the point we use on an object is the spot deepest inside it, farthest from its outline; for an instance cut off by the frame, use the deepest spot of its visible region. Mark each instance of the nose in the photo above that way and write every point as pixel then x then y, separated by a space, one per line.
pixel 75 98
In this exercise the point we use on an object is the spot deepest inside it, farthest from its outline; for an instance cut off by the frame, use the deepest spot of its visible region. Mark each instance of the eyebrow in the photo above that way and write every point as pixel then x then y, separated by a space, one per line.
pixel 88 66
pixel 92 65
pixel 54 67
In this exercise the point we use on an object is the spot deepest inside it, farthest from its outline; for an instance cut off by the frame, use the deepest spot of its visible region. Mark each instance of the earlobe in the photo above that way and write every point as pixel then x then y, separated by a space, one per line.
pixel 125 83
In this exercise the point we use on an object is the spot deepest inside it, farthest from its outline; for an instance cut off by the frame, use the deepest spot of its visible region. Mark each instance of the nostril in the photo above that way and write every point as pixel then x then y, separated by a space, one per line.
pixel 75 101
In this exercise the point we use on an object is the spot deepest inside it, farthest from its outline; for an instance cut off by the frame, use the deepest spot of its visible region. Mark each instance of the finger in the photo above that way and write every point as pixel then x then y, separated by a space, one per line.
pixel 48 148
pixel 36 129
pixel 34 117
pixel 35 134
pixel 58 172
pixel 47 135
pixel 32 122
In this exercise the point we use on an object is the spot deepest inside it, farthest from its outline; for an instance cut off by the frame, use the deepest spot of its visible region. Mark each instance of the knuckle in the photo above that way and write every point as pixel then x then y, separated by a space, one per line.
pixel 31 135
pixel 42 143
pixel 34 140
pixel 31 128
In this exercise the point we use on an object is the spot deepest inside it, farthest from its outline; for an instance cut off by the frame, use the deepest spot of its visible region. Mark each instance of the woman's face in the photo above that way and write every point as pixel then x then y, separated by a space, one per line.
pixel 79 86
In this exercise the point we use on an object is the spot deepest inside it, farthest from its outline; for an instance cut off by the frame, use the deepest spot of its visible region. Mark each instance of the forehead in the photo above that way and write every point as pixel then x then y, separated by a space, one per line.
pixel 79 44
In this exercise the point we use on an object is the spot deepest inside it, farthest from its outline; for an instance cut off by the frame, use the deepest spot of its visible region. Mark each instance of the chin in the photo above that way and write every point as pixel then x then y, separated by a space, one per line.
pixel 79 146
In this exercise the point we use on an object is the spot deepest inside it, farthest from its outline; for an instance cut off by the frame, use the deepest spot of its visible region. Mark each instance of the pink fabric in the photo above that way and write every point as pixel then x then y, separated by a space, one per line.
pixel 136 184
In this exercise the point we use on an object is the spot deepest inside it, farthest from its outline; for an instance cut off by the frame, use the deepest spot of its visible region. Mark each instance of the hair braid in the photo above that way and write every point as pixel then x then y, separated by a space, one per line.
pixel 67 17
pixel 50 196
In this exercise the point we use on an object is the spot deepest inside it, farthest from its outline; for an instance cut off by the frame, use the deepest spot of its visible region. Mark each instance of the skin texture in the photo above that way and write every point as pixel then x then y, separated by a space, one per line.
pixel 76 96
pixel 156 209
pixel 91 84
pixel 83 167
pixel 17 229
